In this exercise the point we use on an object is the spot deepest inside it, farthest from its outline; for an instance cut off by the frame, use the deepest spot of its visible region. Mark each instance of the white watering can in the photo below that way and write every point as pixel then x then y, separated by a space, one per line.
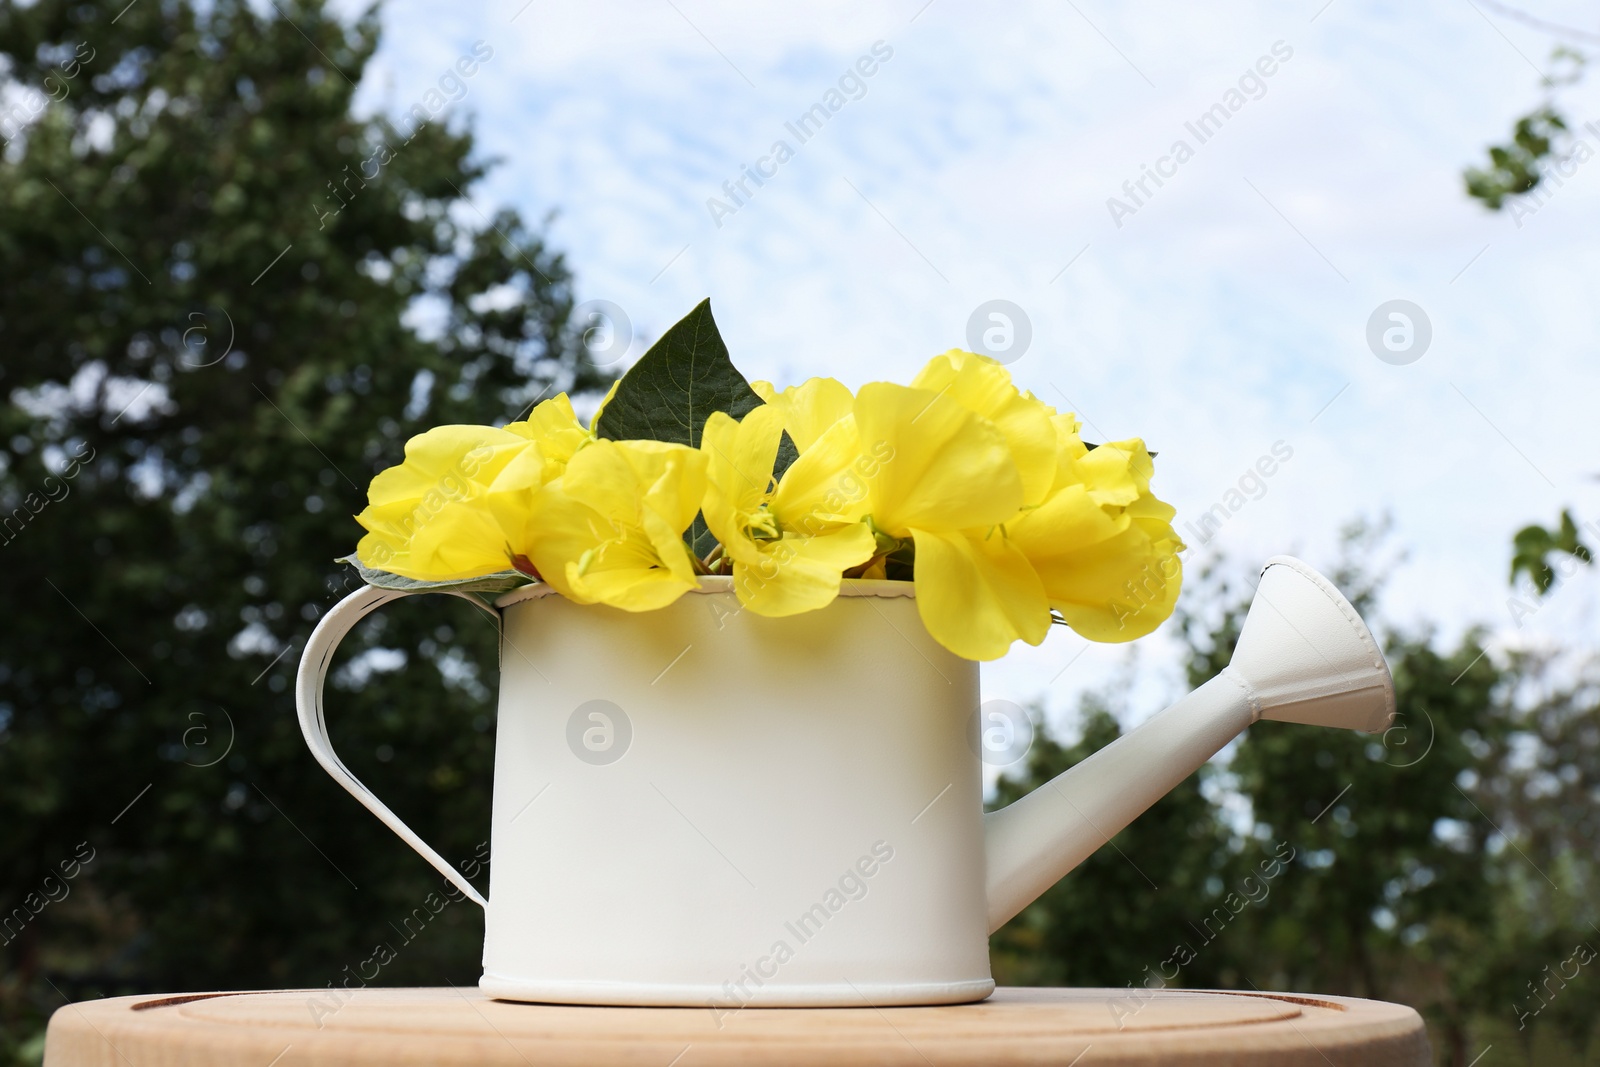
pixel 699 806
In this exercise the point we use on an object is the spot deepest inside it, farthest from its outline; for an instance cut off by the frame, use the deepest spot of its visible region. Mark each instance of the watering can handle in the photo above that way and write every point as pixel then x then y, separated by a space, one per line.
pixel 308 702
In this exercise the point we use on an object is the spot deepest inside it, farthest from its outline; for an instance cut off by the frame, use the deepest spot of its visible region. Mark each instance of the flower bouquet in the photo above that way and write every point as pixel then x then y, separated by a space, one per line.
pixel 984 498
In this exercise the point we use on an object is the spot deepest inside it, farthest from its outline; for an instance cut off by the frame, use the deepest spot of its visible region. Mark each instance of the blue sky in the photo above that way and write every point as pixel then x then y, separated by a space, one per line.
pixel 1227 314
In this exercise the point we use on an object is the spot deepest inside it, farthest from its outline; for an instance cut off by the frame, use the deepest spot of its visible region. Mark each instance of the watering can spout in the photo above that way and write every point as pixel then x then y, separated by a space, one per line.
pixel 1303 656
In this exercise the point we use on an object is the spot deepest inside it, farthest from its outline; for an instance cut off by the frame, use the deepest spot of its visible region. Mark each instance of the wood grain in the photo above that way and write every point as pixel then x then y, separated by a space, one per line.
pixel 1089 1027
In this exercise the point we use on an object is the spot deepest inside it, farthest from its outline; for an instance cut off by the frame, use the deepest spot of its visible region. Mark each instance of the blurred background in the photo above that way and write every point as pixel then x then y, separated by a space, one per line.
pixel 1332 260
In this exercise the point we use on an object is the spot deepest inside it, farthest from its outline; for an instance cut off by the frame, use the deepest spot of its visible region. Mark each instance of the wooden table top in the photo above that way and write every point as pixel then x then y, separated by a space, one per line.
pixel 1091 1027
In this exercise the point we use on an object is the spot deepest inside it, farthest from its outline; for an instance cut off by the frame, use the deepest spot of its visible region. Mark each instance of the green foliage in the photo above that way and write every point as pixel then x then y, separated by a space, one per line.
pixel 1514 167
pixel 223 361
pixel 1533 546
pixel 1367 814
pixel 1150 885
pixel 1517 167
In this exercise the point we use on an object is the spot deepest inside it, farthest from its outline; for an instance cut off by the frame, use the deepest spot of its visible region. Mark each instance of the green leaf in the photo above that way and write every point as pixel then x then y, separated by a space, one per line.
pixel 1533 545
pixel 499 582
pixel 674 388
pixel 1517 167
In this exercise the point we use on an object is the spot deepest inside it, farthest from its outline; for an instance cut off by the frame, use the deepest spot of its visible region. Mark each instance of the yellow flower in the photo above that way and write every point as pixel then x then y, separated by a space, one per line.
pixel 788 548
pixel 828 487
pixel 458 506
pixel 983 387
pixel 610 530
pixel 428 518
pixel 1102 544
pixel 555 427
pixel 950 469
pixel 949 484
pixel 977 593
pixel 808 410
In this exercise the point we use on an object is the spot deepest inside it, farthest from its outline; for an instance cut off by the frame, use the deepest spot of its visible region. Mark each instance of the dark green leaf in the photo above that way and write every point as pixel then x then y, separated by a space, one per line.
pixel 674 388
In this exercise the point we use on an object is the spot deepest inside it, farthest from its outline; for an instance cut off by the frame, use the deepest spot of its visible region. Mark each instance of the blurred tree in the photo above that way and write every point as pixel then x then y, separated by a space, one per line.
pixel 1544 798
pixel 1150 884
pixel 1547 800
pixel 225 302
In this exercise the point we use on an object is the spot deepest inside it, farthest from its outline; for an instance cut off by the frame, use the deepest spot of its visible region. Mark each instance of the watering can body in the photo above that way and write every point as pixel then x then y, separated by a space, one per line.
pixel 699 806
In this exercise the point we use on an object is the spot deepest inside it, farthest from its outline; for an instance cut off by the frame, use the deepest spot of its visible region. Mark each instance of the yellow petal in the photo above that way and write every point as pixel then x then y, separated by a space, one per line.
pixel 1118 472
pixel 610 531
pixel 984 387
pixel 827 485
pixel 977 594
pixel 442 461
pixel 681 488
pixel 554 426
pixel 1148 507
pixel 470 560
pixel 1063 524
pixel 1112 575
pixel 800 569
pixel 1068 425
pixel 527 470
pixel 591 559
pixel 613 477
pixel 676 480
pixel 1069 447
pixel 456 540
pixel 1127 586
pixel 627 574
pixel 437 515
pixel 739 459
pixel 945 468
pixel 595 421
pixel 462 542
pixel 808 409
pixel 799 573
pixel 562 530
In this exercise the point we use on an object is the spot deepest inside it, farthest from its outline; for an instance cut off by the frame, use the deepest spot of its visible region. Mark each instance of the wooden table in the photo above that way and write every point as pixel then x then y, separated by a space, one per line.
pixel 1091 1027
